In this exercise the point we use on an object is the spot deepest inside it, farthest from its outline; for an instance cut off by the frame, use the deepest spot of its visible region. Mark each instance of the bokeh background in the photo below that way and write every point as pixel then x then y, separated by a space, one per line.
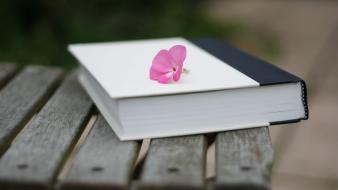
pixel 38 31
pixel 299 36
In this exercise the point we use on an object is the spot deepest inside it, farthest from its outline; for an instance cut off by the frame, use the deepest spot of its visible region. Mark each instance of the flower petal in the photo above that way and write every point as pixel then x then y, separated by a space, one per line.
pixel 163 62
pixel 166 78
pixel 154 74
pixel 178 53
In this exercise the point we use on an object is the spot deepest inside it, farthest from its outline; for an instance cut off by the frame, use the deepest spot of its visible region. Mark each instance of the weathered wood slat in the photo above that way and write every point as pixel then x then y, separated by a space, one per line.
pixel 35 156
pixel 103 162
pixel 175 163
pixel 22 97
pixel 7 71
pixel 244 159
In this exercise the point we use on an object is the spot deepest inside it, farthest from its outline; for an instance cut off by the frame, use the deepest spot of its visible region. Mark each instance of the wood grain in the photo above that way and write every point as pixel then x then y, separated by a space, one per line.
pixel 7 71
pixel 22 97
pixel 35 156
pixel 175 163
pixel 103 162
pixel 244 159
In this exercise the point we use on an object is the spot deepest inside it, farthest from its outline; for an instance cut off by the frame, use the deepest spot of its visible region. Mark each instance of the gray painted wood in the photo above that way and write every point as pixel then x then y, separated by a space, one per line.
pixel 7 71
pixel 244 159
pixel 103 162
pixel 35 156
pixel 175 163
pixel 22 97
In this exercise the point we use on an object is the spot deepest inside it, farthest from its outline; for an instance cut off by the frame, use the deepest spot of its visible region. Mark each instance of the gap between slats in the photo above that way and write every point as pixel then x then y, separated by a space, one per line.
pixel 26 121
pixel 138 166
pixel 210 165
pixel 210 161
pixel 69 158
pixel 27 124
pixel 102 161
pixel 67 164
pixel 26 140
pixel 7 146
pixel 210 156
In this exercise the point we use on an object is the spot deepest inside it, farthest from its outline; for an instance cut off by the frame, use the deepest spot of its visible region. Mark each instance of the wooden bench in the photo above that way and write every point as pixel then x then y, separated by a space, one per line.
pixel 52 137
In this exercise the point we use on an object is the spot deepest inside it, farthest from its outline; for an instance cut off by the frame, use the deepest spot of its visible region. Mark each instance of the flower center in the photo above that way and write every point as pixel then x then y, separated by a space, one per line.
pixel 174 69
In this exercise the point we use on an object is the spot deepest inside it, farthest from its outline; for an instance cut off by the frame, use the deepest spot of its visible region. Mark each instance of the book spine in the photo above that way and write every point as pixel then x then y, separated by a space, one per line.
pixel 305 105
pixel 304 99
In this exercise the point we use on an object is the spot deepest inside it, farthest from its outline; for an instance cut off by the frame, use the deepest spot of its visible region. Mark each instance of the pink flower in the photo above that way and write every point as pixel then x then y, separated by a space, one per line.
pixel 167 65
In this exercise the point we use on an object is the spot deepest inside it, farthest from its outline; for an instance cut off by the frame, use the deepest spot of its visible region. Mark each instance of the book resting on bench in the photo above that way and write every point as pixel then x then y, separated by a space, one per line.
pixel 224 88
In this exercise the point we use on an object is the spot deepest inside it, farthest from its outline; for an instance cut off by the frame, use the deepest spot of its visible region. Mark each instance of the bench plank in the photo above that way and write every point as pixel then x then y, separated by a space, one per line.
pixel 34 158
pixel 244 159
pixel 22 97
pixel 103 162
pixel 7 71
pixel 175 163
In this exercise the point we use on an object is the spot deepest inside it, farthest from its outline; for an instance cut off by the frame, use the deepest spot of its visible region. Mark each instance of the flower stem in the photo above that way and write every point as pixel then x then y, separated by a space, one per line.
pixel 185 71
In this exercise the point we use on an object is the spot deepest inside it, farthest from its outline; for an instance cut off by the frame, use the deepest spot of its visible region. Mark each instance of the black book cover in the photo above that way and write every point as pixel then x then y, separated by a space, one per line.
pixel 261 71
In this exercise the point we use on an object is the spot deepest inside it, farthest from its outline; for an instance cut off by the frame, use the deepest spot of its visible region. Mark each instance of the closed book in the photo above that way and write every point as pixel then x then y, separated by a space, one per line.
pixel 225 89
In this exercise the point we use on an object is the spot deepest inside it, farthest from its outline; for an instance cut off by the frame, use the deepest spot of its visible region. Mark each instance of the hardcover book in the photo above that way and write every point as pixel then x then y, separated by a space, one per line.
pixel 225 89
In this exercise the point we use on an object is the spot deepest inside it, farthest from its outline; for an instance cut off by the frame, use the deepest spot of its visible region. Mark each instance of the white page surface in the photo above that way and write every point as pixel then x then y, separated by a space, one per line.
pixel 122 68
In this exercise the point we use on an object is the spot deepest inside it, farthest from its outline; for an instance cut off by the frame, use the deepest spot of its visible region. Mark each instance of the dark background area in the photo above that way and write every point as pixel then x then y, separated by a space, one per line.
pixel 38 31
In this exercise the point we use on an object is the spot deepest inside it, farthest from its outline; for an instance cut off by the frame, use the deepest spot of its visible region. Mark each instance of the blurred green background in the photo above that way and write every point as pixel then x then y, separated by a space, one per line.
pixel 38 31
